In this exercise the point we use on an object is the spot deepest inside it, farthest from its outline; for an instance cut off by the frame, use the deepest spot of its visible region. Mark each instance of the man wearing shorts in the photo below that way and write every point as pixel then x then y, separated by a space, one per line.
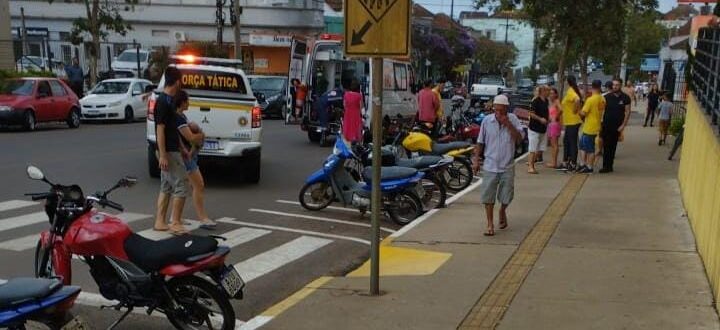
pixel 173 176
pixel 592 111
pixel 665 108
pixel 539 117
pixel 499 133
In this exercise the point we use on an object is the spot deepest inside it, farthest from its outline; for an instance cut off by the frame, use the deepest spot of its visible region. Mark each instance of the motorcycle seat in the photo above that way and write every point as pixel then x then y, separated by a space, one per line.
pixel 390 173
pixel 419 163
pixel 152 255
pixel 443 148
pixel 24 289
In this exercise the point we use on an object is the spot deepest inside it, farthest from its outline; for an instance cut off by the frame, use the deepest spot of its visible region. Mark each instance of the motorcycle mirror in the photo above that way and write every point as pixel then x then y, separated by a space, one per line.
pixel 127 181
pixel 35 173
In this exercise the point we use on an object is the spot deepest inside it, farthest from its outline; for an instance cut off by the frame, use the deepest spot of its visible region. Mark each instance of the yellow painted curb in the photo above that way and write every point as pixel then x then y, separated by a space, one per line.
pixel 301 294
pixel 397 261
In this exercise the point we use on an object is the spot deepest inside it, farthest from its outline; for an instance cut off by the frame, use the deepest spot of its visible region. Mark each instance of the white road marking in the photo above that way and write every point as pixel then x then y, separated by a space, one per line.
pixel 292 230
pixel 329 207
pixel 255 322
pixel 309 217
pixel 23 220
pixel 271 260
pixel 242 236
pixel 15 204
pixel 29 242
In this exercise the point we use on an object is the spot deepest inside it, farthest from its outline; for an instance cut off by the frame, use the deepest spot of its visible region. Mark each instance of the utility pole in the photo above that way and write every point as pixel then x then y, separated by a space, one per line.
pixel 452 9
pixel 507 26
pixel 219 20
pixel 235 12
pixel 23 32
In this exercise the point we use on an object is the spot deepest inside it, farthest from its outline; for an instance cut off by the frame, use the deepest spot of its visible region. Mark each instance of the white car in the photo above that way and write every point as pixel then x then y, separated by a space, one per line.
pixel 126 64
pixel 116 99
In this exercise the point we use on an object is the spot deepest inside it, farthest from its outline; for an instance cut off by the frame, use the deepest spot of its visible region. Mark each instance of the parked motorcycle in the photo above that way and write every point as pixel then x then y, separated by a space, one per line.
pixel 401 193
pixel 42 300
pixel 458 175
pixel 183 277
pixel 433 167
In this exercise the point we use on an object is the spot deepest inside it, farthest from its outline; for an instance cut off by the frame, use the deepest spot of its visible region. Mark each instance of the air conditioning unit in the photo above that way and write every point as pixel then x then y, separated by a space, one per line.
pixel 179 36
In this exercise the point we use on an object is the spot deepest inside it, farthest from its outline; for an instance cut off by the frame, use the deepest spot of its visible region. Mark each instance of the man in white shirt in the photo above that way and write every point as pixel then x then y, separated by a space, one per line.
pixel 499 134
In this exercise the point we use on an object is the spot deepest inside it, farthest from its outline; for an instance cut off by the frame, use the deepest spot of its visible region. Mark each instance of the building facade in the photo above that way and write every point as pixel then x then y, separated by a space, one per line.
pixel 267 28
pixel 7 59
pixel 505 29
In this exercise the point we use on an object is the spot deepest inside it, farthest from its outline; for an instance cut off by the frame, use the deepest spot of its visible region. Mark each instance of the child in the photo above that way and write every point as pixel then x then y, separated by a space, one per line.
pixel 665 108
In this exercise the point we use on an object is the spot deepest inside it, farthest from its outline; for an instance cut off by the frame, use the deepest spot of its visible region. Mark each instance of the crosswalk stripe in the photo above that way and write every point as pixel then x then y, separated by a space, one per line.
pixel 242 236
pixel 310 217
pixel 22 220
pixel 15 204
pixel 270 260
pixel 29 242
pixel 292 230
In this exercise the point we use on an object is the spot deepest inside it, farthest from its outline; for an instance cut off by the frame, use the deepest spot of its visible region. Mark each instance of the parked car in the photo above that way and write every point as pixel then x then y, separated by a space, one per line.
pixel 485 89
pixel 122 99
pixel 270 93
pixel 525 85
pixel 546 80
pixel 126 64
pixel 37 63
pixel 28 101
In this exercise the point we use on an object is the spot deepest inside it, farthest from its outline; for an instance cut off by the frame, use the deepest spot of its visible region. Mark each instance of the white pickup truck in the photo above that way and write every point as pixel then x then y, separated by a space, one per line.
pixel 485 89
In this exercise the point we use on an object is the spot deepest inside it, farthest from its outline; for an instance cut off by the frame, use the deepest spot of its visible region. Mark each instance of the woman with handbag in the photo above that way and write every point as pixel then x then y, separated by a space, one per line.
pixel 192 138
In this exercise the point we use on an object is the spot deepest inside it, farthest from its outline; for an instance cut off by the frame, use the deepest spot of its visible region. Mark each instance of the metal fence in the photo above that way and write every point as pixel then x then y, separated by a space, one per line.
pixel 706 71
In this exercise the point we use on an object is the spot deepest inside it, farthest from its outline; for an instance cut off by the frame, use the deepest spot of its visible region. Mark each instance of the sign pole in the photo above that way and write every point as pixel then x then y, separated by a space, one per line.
pixel 376 196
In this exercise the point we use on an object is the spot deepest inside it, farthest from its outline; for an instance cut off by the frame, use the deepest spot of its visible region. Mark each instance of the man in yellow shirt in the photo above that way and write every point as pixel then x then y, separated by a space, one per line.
pixel 571 120
pixel 592 111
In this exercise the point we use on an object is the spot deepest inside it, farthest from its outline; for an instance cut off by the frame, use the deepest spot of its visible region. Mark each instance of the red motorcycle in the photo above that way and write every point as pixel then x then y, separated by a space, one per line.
pixel 183 277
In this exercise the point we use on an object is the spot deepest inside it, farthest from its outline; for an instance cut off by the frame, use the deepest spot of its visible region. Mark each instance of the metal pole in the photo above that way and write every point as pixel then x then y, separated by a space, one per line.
pixel 377 89
pixel 23 33
pixel 219 21
pixel 137 57
pixel 452 9
pixel 236 28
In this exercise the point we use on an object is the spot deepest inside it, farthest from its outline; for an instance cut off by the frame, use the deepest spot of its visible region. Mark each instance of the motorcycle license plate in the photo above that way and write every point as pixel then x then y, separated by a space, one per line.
pixel 211 145
pixel 231 281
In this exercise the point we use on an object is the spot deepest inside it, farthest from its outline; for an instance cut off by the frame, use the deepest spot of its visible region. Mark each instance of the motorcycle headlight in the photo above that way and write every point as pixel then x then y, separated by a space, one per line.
pixel 5 108
pixel 114 104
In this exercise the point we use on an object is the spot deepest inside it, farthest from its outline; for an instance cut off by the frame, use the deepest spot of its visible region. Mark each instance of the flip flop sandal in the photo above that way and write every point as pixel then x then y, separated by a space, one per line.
pixel 489 233
pixel 208 224
pixel 503 225
pixel 161 229
pixel 533 172
pixel 179 232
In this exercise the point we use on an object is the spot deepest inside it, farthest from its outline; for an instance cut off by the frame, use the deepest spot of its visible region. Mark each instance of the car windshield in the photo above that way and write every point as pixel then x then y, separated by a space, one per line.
pixel 131 56
pixel 525 83
pixel 267 84
pixel 17 87
pixel 491 81
pixel 111 87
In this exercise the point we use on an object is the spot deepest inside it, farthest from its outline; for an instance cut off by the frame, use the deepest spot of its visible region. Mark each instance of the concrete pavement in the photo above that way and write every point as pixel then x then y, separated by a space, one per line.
pixel 604 251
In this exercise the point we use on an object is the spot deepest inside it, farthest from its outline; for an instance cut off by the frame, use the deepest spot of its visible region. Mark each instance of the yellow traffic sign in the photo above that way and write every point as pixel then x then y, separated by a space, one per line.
pixel 377 28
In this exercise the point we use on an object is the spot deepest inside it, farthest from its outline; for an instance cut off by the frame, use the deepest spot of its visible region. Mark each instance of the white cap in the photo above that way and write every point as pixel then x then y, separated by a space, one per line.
pixel 501 99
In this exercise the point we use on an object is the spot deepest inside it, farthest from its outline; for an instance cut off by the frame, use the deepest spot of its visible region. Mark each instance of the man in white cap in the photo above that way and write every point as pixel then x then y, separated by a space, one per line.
pixel 499 133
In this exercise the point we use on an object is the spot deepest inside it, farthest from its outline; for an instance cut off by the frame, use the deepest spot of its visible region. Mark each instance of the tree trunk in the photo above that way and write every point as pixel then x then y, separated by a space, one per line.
pixel 561 65
pixel 583 71
pixel 93 13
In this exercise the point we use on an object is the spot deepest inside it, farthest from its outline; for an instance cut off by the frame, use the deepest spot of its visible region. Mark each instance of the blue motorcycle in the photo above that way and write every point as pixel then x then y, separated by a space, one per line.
pixel 343 179
pixel 36 299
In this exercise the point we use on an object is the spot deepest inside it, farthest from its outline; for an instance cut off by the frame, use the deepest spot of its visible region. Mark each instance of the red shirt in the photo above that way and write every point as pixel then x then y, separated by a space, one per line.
pixel 427 105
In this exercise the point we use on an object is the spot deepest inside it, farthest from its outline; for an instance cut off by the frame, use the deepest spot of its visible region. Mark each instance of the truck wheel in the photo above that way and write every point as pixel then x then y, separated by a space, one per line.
pixel 252 169
pixel 153 167
pixel 313 136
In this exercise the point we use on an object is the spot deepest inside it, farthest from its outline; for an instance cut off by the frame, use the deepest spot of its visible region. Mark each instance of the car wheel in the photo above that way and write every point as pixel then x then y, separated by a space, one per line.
pixel 73 119
pixel 29 122
pixel 252 169
pixel 153 166
pixel 129 115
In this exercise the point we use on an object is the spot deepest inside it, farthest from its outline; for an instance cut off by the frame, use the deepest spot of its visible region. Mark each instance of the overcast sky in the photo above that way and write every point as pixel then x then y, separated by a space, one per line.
pixel 467 5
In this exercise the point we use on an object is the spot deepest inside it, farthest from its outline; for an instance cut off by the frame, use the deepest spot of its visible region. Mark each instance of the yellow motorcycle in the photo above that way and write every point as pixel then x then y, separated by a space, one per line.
pixel 459 174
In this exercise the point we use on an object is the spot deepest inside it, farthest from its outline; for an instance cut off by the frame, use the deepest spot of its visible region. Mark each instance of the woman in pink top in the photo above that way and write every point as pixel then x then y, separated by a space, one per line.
pixel 352 119
pixel 555 127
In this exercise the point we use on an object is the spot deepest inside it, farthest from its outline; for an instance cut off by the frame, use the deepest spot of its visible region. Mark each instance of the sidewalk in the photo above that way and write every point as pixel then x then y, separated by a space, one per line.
pixel 604 251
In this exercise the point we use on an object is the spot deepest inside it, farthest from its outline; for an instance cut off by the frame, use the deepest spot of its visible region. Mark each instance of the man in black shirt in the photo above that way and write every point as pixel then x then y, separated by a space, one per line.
pixel 539 117
pixel 615 118
pixel 173 175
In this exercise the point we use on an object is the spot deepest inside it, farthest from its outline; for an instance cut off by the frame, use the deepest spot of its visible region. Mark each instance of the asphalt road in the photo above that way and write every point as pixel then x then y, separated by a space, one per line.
pixel 279 259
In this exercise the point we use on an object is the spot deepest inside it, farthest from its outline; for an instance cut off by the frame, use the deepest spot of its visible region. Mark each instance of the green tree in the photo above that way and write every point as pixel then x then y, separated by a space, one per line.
pixel 102 17
pixel 495 57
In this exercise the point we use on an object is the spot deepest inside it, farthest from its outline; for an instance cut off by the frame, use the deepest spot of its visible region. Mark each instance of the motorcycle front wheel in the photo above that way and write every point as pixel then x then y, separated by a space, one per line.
pixel 435 193
pixel 316 196
pixel 404 208
pixel 201 305
pixel 458 175
pixel 43 263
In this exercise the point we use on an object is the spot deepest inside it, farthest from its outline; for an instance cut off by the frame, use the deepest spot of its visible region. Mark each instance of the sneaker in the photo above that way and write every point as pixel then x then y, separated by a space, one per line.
pixel 586 170
pixel 561 167
pixel 581 169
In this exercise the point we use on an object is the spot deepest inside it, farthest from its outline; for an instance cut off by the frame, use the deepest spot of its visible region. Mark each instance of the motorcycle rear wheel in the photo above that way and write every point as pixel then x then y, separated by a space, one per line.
pixel 435 193
pixel 405 208
pixel 316 196
pixel 215 307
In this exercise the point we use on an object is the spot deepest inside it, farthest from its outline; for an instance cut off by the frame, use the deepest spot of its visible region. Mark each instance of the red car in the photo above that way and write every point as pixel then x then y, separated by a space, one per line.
pixel 28 101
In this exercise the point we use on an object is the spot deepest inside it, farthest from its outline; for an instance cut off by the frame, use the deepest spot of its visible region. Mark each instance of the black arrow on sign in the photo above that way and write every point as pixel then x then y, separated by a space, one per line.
pixel 357 37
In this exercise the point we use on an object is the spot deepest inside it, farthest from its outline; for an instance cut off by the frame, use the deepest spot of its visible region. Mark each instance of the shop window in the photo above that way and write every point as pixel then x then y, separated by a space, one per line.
pixel 401 77
pixel 66 54
pixel 35 49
